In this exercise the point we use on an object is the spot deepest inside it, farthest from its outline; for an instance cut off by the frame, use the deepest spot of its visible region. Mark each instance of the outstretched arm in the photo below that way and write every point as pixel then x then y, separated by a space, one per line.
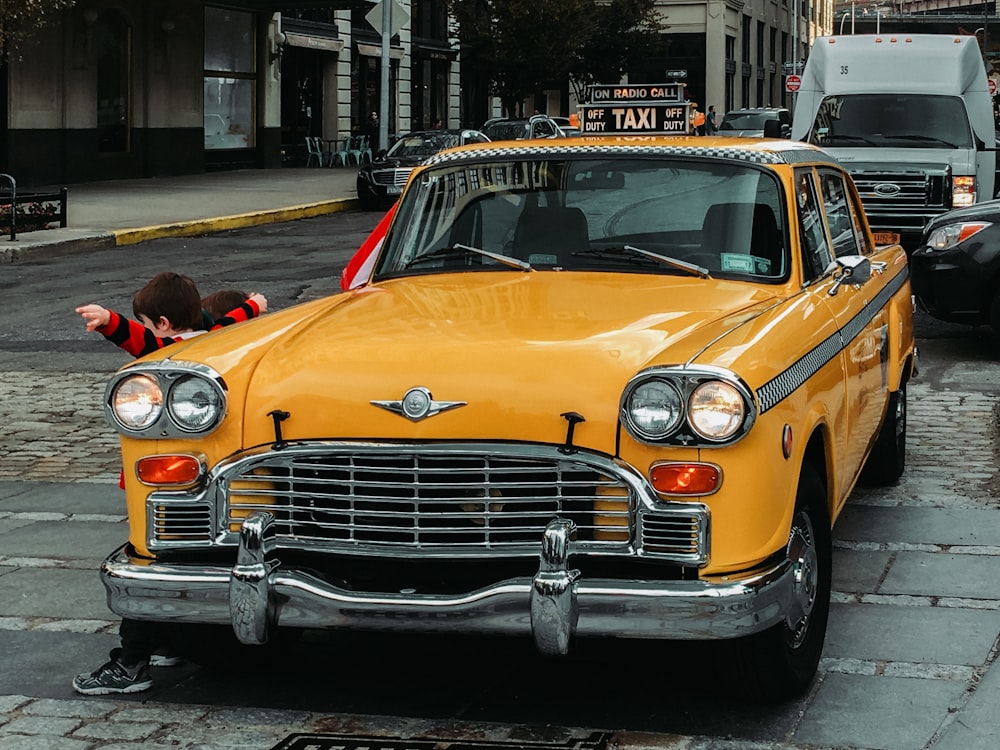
pixel 95 316
pixel 134 338
pixel 255 305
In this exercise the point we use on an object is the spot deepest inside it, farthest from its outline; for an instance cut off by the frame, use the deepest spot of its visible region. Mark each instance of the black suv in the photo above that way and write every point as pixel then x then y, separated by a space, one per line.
pixel 521 128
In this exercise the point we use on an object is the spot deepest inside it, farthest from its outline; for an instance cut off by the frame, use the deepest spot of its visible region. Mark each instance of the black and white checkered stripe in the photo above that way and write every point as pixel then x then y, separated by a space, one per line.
pixel 545 149
pixel 784 384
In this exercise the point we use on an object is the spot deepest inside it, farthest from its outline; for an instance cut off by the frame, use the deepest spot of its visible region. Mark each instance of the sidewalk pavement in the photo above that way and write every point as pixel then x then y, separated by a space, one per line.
pixel 122 212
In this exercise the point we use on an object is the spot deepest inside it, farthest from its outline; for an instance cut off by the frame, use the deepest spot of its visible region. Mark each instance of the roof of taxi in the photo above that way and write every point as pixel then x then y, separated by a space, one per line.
pixel 756 150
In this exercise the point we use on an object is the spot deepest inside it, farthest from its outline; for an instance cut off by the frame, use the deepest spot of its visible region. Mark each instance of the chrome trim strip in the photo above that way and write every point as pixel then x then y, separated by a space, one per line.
pixel 785 383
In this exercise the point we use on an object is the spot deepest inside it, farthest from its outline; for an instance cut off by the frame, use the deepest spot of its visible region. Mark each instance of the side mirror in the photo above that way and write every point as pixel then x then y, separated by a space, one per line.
pixel 855 269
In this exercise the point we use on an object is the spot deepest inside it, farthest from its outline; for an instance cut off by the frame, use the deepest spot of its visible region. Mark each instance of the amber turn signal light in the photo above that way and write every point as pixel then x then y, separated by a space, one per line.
pixel 174 469
pixel 685 479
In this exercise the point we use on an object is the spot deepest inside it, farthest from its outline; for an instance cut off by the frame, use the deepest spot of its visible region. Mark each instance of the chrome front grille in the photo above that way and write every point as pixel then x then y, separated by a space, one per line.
pixel 394 177
pixel 431 502
pixel 904 192
pixel 483 500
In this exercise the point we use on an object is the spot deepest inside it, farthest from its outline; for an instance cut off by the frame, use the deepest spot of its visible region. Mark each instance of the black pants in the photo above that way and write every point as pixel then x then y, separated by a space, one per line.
pixel 139 639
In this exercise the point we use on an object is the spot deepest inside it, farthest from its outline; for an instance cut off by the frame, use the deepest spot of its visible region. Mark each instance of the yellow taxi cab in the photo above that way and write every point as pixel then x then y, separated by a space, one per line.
pixel 599 387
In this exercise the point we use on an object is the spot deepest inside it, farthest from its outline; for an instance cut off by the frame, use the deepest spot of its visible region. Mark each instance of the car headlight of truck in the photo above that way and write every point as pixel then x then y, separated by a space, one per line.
pixel 166 399
pixel 679 405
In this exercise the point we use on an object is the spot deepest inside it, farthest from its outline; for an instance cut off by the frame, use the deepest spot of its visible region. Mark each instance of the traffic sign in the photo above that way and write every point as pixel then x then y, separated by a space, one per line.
pixel 793 83
pixel 397 16
pixel 993 87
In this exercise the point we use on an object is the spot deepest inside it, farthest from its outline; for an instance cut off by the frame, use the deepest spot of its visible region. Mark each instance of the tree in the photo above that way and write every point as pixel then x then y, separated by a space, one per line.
pixel 520 45
pixel 20 19
pixel 627 32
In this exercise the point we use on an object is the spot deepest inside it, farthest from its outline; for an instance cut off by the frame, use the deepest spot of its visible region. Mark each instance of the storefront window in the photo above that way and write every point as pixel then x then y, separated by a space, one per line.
pixel 229 79
pixel 113 45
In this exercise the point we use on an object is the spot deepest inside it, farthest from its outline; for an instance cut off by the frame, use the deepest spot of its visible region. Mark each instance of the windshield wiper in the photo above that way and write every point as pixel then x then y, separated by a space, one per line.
pixel 459 249
pixel 916 137
pixel 691 268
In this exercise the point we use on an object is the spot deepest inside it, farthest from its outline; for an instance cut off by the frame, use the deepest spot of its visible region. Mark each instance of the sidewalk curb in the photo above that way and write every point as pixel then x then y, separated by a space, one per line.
pixel 104 240
pixel 237 221
pixel 57 248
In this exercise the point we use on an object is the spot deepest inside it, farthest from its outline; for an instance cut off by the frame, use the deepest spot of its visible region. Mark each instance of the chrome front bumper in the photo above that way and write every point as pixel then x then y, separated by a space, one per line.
pixel 257 594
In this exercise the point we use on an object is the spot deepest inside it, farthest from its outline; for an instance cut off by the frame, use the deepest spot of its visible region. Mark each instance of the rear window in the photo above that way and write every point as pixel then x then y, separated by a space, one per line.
pixel 746 120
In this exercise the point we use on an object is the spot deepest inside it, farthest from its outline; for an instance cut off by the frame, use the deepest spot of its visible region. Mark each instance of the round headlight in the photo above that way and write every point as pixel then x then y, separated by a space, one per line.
pixel 194 404
pixel 654 409
pixel 716 410
pixel 137 402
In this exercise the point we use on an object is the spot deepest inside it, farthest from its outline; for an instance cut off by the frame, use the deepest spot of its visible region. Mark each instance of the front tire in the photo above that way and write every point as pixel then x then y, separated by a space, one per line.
pixel 779 663
pixel 887 460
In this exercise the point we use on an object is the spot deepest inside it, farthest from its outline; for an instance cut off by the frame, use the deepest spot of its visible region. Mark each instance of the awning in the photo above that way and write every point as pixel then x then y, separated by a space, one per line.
pixel 314 42
pixel 374 50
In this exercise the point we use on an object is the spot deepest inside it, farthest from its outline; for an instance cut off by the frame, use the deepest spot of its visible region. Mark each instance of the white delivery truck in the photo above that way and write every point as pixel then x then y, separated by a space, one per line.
pixel 910 116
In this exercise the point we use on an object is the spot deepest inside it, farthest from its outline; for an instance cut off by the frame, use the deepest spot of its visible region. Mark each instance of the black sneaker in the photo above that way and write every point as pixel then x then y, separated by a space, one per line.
pixel 114 677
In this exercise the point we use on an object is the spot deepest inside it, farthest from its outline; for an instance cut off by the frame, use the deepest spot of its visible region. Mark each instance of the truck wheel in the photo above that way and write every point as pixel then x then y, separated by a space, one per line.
pixel 887 460
pixel 779 663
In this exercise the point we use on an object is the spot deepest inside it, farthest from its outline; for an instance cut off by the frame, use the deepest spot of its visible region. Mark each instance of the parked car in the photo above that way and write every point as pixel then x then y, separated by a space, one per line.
pixel 516 129
pixel 566 403
pixel 380 182
pixel 566 126
pixel 749 122
pixel 956 266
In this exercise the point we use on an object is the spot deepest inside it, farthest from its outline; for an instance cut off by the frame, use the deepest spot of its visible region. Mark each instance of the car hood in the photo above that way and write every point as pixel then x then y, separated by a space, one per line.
pixel 399 161
pixel 510 353
pixel 985 211
pixel 888 160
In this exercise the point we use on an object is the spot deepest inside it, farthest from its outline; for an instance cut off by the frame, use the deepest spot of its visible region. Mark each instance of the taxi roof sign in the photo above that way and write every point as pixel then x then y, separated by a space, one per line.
pixel 629 108
pixel 636 92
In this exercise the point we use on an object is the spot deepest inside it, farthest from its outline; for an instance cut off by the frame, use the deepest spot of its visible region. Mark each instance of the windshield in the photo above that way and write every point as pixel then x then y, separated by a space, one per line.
pixel 590 212
pixel 423 144
pixel 511 130
pixel 746 120
pixel 881 120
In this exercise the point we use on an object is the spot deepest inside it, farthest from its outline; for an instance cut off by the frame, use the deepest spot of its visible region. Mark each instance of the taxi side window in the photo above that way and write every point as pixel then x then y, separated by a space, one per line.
pixel 839 215
pixel 816 252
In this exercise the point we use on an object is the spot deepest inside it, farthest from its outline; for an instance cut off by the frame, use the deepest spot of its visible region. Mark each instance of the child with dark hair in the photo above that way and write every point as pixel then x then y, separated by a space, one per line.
pixel 170 309
pixel 218 304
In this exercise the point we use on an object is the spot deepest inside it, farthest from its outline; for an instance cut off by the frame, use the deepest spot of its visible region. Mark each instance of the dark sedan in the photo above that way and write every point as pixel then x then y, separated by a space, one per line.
pixel 956 268
pixel 381 182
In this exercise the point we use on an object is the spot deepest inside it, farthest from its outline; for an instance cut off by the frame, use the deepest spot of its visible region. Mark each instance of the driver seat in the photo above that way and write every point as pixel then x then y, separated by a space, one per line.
pixel 550 234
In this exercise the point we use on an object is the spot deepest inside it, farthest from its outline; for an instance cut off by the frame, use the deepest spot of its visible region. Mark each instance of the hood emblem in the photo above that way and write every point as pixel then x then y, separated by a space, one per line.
pixel 417 403
pixel 887 189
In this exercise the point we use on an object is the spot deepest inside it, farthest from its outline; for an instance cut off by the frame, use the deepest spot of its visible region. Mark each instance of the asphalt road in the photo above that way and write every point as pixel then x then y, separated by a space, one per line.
pixel 913 635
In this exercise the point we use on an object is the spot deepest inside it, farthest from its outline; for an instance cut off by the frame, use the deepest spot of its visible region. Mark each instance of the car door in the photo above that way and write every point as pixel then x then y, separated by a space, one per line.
pixel 831 227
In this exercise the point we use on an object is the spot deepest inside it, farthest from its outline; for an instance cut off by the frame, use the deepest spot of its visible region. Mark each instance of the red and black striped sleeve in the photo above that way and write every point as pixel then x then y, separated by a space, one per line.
pixel 133 337
pixel 246 311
